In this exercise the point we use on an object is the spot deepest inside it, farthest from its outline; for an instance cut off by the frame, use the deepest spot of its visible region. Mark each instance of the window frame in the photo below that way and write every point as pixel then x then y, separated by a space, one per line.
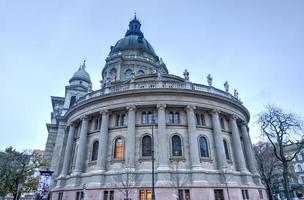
pixel 114 157
pixel 227 149
pixel 92 150
pixel 142 146
pixel 181 147
pixel 208 148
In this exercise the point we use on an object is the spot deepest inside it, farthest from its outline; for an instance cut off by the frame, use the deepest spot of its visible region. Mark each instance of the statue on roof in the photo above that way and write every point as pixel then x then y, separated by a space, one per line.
pixel 236 94
pixel 209 80
pixel 226 85
pixel 186 75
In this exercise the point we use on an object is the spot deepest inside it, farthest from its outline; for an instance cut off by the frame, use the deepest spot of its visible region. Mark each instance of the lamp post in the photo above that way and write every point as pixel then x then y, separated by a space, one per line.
pixel 152 151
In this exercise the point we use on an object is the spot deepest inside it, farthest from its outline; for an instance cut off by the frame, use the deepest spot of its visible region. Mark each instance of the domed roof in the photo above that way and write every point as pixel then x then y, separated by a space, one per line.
pixel 133 40
pixel 81 74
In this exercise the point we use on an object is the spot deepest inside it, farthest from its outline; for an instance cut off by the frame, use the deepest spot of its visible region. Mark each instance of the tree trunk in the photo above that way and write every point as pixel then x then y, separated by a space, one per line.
pixel 286 184
pixel 269 191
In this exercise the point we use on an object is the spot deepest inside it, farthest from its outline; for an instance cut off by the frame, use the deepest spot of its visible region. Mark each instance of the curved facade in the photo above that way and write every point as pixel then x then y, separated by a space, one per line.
pixel 100 143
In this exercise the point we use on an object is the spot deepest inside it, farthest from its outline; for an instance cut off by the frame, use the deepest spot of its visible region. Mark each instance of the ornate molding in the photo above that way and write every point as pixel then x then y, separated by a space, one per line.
pixel 131 107
pixel 84 118
pixel 190 108
pixel 104 112
pixel 161 106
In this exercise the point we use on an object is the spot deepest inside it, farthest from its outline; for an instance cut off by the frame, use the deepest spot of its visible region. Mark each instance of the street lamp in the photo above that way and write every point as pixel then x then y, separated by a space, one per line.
pixel 152 151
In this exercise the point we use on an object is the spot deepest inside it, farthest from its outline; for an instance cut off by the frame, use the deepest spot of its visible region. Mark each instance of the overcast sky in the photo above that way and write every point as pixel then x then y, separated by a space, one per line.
pixel 257 46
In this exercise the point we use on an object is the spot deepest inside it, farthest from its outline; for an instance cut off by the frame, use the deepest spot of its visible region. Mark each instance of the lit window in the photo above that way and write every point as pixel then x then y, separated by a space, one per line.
pixel 118 148
pixel 226 150
pixel 203 147
pixel 145 195
pixel 146 146
pixel 176 146
pixel 95 151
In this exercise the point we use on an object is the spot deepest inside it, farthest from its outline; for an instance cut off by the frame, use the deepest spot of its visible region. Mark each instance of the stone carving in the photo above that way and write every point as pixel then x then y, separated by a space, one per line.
pixel 226 85
pixel 186 75
pixel 209 80
pixel 236 94
pixel 132 77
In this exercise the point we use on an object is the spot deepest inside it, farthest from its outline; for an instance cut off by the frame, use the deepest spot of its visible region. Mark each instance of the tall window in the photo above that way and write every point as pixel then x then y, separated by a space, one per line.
pixel 183 194
pixel 120 119
pixel 113 74
pixel 146 146
pixel 203 121
pixel 118 148
pixel 222 123
pixel 176 146
pixel 143 118
pixel 128 74
pixel 203 144
pixel 147 117
pixel 245 194
pixel 95 151
pixel 108 195
pixel 145 195
pixel 226 150
pixel 171 117
pixel 261 194
pixel 73 100
pixel 218 194
pixel 198 122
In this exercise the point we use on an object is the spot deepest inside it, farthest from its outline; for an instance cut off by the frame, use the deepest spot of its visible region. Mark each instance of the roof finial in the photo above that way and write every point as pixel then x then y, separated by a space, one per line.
pixel 83 65
pixel 135 14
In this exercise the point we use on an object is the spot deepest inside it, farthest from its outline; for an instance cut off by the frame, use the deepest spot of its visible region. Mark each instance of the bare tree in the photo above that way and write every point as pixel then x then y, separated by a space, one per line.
pixel 178 179
pixel 268 165
pixel 226 176
pixel 125 181
pixel 282 130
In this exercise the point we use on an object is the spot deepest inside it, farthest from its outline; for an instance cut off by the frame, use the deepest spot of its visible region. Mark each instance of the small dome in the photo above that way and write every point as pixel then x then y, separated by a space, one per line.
pixel 132 42
pixel 81 74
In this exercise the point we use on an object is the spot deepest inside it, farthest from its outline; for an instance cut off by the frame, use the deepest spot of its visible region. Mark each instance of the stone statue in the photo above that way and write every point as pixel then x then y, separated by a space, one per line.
pixel 236 94
pixel 226 85
pixel 186 75
pixel 209 80
pixel 132 77
pixel 158 74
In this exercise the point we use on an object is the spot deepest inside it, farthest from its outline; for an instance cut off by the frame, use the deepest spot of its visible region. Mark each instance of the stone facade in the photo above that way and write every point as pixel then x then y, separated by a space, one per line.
pixel 100 141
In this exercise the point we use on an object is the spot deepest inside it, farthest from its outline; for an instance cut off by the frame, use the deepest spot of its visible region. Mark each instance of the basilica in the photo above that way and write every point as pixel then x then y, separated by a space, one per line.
pixel 148 134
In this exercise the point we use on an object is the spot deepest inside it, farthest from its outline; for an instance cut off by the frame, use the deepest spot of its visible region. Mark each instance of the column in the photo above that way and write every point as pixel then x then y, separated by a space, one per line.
pixel 103 141
pixel 130 139
pixel 82 146
pixel 218 141
pixel 68 151
pixel 162 137
pixel 236 141
pixel 248 150
pixel 193 143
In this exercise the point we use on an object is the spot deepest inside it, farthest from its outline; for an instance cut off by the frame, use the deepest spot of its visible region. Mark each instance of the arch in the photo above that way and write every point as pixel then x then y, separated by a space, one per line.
pixel 176 143
pixel 128 74
pixel 226 149
pixel 203 147
pixel 118 152
pixel 146 146
pixel 94 153
pixel 140 72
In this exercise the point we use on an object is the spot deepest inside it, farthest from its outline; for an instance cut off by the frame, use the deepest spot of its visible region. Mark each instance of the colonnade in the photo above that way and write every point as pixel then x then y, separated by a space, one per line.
pixel 162 138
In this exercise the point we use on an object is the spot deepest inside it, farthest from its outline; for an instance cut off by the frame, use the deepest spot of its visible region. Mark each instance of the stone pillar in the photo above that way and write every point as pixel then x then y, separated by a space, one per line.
pixel 248 150
pixel 218 141
pixel 103 141
pixel 237 145
pixel 162 138
pixel 193 142
pixel 82 147
pixel 68 151
pixel 131 138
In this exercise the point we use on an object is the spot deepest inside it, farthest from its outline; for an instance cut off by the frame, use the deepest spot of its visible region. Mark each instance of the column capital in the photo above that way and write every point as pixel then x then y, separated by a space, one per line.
pixel 161 106
pixel 71 124
pixel 131 107
pixel 215 111
pixel 233 117
pixel 243 123
pixel 84 117
pixel 104 112
pixel 190 108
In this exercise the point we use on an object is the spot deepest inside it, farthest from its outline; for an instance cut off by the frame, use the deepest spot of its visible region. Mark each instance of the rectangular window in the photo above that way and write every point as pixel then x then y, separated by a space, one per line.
pixel 60 194
pixel 222 123
pixel 261 194
pixel 145 195
pixel 183 194
pixel 79 196
pixel 245 194
pixel 219 194
pixel 108 195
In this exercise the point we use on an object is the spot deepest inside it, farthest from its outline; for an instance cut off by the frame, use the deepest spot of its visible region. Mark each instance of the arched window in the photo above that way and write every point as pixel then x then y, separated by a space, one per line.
pixel 143 118
pixel 140 72
pixel 226 150
pixel 118 148
pixel 146 146
pixel 171 117
pixel 203 144
pixel 176 146
pixel 128 74
pixel 95 151
pixel 73 100
pixel 197 119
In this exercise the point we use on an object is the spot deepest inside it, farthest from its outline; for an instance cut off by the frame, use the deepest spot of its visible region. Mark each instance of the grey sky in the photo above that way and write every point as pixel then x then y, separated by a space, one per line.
pixel 257 46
